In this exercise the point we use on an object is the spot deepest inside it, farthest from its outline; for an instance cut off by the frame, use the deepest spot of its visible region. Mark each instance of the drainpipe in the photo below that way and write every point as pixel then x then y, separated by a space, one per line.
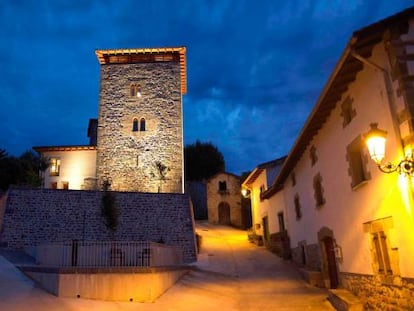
pixel 390 95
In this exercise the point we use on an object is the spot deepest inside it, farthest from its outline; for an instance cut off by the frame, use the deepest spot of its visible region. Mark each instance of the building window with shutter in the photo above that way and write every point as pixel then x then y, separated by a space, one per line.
pixel 54 168
pixel 357 163
pixel 384 251
pixel 379 242
pixel 298 209
pixel 318 191
pixel 281 221
pixel 347 111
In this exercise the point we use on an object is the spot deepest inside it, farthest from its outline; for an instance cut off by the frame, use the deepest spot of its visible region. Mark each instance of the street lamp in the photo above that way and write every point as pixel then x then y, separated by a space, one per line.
pixel 375 140
pixel 245 192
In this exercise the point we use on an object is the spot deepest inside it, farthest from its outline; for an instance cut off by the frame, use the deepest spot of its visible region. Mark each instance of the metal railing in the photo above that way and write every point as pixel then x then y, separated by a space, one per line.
pixel 108 254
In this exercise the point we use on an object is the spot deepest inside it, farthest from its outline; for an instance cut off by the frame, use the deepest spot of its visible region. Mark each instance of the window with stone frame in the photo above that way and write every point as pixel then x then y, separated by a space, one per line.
pixel 384 255
pixel 298 208
pixel 313 156
pixel 357 161
pixel 347 111
pixel 318 191
pixel 54 168
pixel 135 125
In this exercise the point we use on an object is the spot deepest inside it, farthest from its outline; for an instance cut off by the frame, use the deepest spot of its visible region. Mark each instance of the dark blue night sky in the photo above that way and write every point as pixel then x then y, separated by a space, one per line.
pixel 255 68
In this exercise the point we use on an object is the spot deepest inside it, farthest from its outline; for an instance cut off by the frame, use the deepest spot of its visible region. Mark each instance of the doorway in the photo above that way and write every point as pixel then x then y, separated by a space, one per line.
pixel 330 260
pixel 224 213
pixel 265 221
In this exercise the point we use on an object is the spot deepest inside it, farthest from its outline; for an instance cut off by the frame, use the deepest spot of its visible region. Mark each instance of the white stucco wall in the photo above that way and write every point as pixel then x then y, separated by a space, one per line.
pixel 346 209
pixel 75 166
pixel 266 207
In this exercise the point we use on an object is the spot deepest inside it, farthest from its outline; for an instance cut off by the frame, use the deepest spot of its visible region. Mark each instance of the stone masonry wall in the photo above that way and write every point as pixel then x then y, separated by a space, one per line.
pixel 128 157
pixel 36 216
pixel 231 196
pixel 376 295
pixel 307 256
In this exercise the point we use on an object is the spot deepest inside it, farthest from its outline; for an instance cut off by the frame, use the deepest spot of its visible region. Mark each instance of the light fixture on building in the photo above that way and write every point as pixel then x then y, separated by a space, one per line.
pixel 375 140
pixel 245 192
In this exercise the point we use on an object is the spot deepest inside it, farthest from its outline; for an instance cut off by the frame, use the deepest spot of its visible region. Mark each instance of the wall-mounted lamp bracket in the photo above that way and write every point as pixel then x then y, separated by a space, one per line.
pixel 375 140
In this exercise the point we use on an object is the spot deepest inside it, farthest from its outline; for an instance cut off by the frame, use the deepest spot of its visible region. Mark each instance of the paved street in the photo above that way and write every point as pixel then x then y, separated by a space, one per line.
pixel 231 274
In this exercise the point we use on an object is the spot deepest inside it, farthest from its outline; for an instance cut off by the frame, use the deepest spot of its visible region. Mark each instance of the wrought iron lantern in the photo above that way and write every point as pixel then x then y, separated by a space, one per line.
pixel 375 140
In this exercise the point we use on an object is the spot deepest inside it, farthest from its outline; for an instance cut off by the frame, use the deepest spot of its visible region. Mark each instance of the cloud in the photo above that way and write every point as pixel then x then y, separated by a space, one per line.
pixel 254 70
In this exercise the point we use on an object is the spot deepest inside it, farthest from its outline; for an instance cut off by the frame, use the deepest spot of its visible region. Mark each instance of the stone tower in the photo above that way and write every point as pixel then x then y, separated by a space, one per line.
pixel 140 122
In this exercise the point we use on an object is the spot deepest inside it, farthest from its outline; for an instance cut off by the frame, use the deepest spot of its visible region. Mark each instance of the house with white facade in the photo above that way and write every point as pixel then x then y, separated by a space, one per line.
pixel 349 217
pixel 268 215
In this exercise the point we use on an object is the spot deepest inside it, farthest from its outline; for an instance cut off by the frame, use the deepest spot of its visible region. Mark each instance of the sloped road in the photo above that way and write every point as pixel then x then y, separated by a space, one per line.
pixel 231 274
pixel 246 277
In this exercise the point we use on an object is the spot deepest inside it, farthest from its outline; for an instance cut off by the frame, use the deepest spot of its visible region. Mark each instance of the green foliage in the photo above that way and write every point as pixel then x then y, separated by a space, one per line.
pixel 109 210
pixel 23 170
pixel 202 161
pixel 161 173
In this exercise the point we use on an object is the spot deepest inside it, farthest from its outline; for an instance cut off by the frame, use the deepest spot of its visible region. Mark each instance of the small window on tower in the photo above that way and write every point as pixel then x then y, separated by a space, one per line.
pixel 222 186
pixel 135 90
pixel 135 125
pixel 142 125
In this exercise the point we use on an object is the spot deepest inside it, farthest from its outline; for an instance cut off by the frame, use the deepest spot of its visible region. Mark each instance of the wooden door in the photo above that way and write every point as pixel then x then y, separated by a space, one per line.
pixel 331 262
pixel 224 213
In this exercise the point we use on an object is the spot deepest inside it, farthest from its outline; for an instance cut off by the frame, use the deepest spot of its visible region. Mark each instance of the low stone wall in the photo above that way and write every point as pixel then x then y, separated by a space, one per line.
pixel 137 285
pixel 308 256
pixel 377 295
pixel 38 216
pixel 279 244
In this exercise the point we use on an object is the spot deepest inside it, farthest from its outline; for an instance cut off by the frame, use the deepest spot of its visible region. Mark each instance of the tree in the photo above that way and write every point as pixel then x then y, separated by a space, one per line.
pixel 23 170
pixel 202 161
pixel 161 173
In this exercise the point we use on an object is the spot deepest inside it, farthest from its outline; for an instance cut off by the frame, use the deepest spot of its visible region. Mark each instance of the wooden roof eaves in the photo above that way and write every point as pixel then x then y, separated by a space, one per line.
pixel 308 131
pixel 252 177
pixel 361 41
pixel 103 55
pixel 41 149
pixel 260 168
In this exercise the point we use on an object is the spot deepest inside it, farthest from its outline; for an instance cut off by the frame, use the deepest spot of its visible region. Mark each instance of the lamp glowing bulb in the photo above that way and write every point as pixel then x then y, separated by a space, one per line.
pixel 375 140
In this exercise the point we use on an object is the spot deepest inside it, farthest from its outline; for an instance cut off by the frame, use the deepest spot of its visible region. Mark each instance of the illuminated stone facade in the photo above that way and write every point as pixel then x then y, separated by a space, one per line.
pixel 128 155
pixel 224 200
pixel 136 144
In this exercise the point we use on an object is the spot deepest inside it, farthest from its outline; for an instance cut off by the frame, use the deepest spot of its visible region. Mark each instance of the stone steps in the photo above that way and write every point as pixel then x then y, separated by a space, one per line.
pixel 343 300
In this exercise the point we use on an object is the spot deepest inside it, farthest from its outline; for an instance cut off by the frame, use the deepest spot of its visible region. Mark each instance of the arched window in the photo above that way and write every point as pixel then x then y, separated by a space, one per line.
pixel 142 125
pixel 135 125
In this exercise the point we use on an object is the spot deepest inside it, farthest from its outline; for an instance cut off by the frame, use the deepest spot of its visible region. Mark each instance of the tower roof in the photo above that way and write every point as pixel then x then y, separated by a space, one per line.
pixel 147 55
